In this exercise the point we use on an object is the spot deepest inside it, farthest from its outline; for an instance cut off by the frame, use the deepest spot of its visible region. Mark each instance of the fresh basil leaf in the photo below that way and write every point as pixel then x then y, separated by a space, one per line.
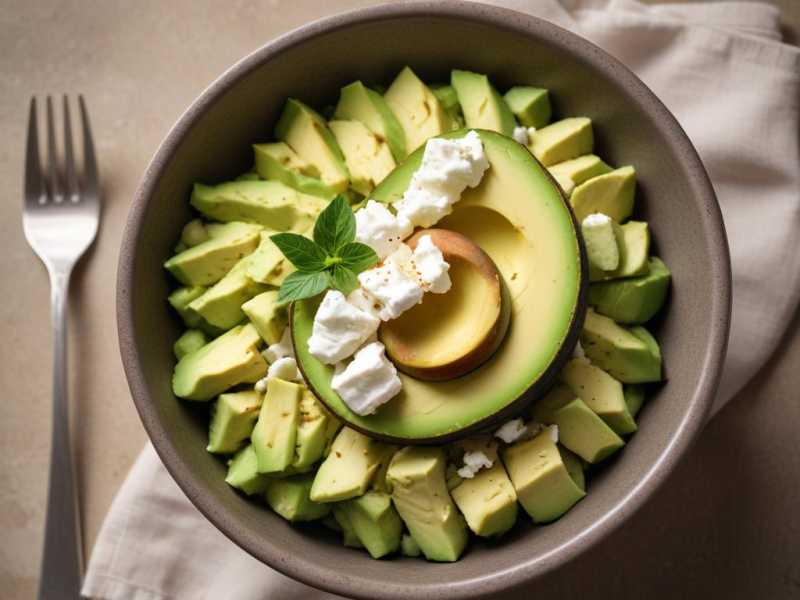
pixel 357 256
pixel 335 226
pixel 304 254
pixel 299 285
pixel 343 279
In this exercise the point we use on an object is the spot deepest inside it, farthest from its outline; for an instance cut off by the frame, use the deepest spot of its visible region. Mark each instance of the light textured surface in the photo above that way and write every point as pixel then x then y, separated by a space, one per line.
pixel 725 524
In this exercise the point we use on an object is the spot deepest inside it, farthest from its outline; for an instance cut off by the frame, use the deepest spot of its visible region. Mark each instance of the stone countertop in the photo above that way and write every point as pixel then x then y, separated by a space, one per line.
pixel 724 525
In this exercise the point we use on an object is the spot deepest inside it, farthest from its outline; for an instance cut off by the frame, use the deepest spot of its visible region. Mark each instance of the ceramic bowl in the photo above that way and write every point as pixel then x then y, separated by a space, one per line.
pixel 211 142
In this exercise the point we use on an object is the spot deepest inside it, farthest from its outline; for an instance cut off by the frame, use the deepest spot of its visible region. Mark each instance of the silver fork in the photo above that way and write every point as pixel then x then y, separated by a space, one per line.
pixel 60 219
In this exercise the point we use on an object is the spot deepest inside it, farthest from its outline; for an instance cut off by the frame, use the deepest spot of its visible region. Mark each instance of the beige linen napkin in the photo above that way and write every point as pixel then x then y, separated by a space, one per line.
pixel 733 86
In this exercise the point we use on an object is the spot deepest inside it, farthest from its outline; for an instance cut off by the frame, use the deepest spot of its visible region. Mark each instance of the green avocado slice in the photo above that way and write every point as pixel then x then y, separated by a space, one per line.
pixel 375 522
pixel 275 432
pixel 447 97
pixel 487 501
pixel 243 472
pixel 190 340
pixel 277 161
pixel 232 422
pixel 633 241
pixel 634 300
pixel 482 106
pixel 518 216
pixel 531 105
pixel 289 497
pixel 611 194
pixel 563 140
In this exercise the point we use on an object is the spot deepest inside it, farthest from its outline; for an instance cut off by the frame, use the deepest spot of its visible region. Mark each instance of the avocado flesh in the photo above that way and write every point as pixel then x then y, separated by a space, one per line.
pixel 375 522
pixel 531 105
pixel 232 422
pixel 563 140
pixel 349 467
pixel 368 158
pixel 574 466
pixel 574 172
pixel 419 492
pixel 207 262
pixel 611 194
pixel 312 429
pixel 602 249
pixel 634 398
pixel 634 300
pixel 519 218
pixel 487 501
pixel 633 241
pixel 180 300
pixel 190 340
pixel 267 264
pixel 482 106
pixel 278 162
pixel 266 315
pixel 305 131
pixel 417 109
pixel 243 472
pixel 544 486
pixel 224 362
pixel 275 432
pixel 268 203
pixel 601 392
pixel 358 102
pixel 447 97
pixel 408 547
pixel 289 498
pixel 619 351
pixel 221 304
pixel 342 518
pixel 579 428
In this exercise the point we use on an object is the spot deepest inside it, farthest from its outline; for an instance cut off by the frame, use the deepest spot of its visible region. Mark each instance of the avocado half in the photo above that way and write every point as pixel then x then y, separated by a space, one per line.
pixel 519 216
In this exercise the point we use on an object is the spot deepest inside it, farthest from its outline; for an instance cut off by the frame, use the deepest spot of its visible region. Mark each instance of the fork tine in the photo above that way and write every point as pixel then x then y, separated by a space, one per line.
pixel 34 185
pixel 70 178
pixel 52 157
pixel 89 162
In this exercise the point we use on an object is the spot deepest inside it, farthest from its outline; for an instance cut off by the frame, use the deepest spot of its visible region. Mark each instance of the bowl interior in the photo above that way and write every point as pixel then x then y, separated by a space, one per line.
pixel 212 143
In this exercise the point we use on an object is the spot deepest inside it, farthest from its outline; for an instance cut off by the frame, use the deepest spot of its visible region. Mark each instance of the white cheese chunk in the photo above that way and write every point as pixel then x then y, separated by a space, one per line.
pixel 520 135
pixel 379 229
pixel 391 288
pixel 474 461
pixel 368 381
pixel 432 269
pixel 578 352
pixel 280 349
pixel 511 431
pixel 362 300
pixel 339 329
pixel 553 432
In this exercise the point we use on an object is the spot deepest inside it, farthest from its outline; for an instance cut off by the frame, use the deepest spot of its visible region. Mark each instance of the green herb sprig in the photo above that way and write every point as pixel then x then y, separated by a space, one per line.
pixel 332 260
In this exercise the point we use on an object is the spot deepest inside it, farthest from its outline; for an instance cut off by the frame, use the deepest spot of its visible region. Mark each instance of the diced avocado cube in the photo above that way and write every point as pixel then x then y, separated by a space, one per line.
pixel 232 422
pixel 600 238
pixel 408 547
pixel 190 340
pixel 331 523
pixel 563 140
pixel 633 241
pixel 358 102
pixel 375 522
pixel 289 498
pixel 349 537
pixel 248 176
pixel 243 472
pixel 574 466
pixel 634 398
pixel 619 351
pixel 193 233
pixel 649 341
pixel 482 106
pixel 601 392
pixel 417 109
pixel 208 262
pixel 544 486
pixel 278 162
pixel 311 432
pixel 268 203
pixel 447 97
pixel 266 315
pixel 305 131
pixel 571 173
pixel 452 477
pixel 487 501
pixel 531 105
pixel 367 156
pixel 221 304
pixel 267 264
pixel 579 428
pixel 633 300
pixel 180 300
pixel 419 491
pixel 611 194
pixel 349 468
pixel 275 433
pixel 224 362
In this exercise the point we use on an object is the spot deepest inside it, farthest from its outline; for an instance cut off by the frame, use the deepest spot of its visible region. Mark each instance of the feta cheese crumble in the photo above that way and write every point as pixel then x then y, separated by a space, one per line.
pixel 379 229
pixel 392 288
pixel 433 270
pixel 369 381
pixel 284 368
pixel 520 135
pixel 553 431
pixel 578 352
pixel 280 349
pixel 339 328
pixel 474 461
pixel 511 431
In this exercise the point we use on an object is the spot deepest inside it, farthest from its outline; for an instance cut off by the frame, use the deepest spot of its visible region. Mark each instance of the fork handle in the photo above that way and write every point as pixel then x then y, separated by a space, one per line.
pixel 62 563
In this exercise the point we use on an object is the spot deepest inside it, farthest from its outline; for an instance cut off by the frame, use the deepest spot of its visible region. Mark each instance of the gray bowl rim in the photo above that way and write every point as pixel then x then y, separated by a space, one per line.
pixel 318 575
